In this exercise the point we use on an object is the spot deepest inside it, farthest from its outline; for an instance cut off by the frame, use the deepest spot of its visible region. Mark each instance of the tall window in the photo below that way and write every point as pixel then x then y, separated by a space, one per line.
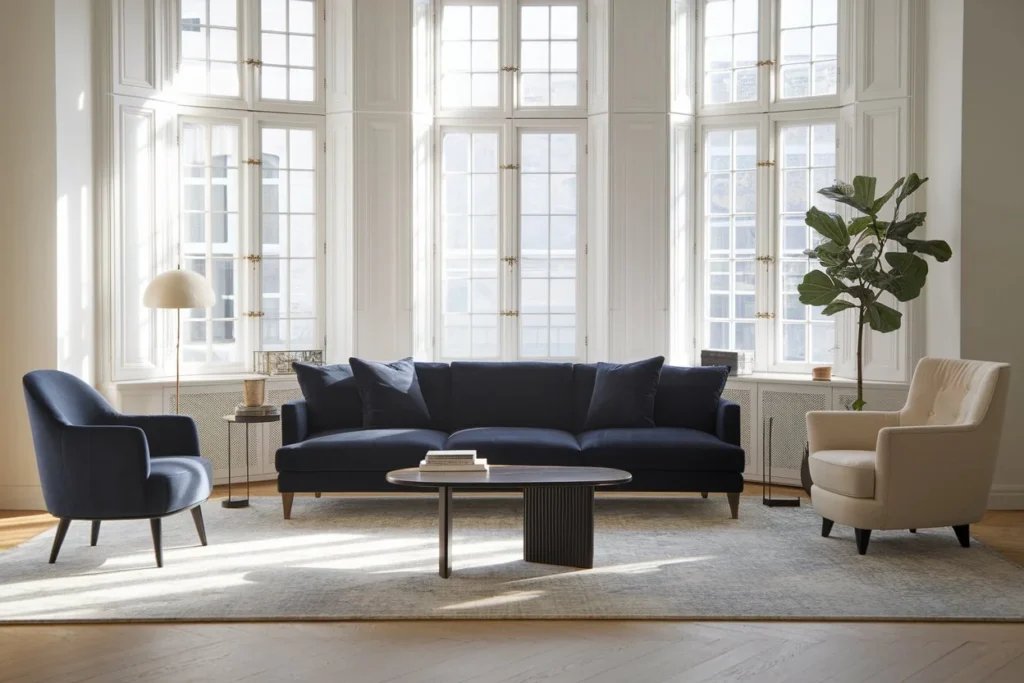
pixel 760 166
pixel 510 155
pixel 250 204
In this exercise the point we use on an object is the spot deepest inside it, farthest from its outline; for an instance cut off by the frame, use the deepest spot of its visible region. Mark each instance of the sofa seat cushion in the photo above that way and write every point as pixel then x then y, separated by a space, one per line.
pixel 848 473
pixel 359 450
pixel 518 445
pixel 176 483
pixel 673 449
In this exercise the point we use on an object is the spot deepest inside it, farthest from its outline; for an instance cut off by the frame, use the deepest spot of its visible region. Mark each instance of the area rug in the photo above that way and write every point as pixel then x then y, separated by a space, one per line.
pixel 376 558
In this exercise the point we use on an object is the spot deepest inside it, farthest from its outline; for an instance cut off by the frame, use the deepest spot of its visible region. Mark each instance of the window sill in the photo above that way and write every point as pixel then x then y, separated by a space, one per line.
pixel 199 380
pixel 802 379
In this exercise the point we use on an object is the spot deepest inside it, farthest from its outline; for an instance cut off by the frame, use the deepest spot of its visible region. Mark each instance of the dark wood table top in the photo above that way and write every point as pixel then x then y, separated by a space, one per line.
pixel 506 476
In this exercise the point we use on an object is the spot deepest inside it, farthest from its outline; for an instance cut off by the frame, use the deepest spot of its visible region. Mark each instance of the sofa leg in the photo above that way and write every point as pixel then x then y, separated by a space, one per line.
pixel 158 543
pixel 734 504
pixel 197 517
pixel 286 502
pixel 863 537
pixel 913 531
pixel 703 494
pixel 963 534
pixel 317 494
pixel 826 527
pixel 58 540
pixel 94 536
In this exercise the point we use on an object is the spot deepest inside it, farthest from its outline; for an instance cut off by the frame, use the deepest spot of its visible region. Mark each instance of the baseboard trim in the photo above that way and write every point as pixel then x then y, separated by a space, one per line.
pixel 1006 498
pixel 23 497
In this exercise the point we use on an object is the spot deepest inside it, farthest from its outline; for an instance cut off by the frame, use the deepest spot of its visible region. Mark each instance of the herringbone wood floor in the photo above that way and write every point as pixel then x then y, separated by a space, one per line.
pixel 484 652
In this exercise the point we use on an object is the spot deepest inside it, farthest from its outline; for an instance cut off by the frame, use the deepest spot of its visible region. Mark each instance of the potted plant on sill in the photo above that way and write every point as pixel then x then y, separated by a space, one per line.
pixel 857 263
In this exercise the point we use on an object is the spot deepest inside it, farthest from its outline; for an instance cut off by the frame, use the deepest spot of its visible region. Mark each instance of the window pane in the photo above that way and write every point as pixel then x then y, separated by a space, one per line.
pixel 547 248
pixel 730 51
pixel 808 53
pixel 287 29
pixel 730 235
pixel 548 56
pixel 470 60
pixel 808 158
pixel 290 241
pixel 208 48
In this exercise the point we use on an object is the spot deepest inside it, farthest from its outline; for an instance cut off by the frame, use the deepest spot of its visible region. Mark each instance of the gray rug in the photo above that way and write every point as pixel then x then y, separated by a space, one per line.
pixel 376 558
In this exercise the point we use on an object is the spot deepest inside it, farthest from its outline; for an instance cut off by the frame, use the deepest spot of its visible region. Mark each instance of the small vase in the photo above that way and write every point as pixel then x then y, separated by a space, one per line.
pixel 254 392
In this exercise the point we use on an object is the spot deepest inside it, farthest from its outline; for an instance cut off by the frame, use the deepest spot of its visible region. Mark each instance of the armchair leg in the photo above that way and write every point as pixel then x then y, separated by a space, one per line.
pixel 863 537
pixel 963 534
pixel 197 517
pixel 158 547
pixel 703 494
pixel 317 494
pixel 95 535
pixel 62 531
pixel 734 504
pixel 913 531
pixel 826 527
pixel 286 502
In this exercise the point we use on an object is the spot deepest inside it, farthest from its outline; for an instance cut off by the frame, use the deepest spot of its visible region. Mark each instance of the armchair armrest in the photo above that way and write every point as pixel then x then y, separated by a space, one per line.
pixel 166 434
pixel 294 422
pixel 103 471
pixel 727 422
pixel 847 429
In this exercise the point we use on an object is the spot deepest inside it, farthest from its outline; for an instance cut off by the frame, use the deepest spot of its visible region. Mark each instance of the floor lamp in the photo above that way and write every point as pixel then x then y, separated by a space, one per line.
pixel 178 289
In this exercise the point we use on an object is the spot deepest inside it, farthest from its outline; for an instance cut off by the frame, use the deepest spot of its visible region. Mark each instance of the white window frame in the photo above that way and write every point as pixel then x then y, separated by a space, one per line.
pixel 509 132
pixel 509 12
pixel 768 50
pixel 254 43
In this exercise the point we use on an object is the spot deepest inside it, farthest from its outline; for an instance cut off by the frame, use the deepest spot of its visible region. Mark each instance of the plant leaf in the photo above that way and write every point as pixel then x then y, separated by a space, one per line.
pixel 864 192
pixel 937 248
pixel 858 404
pixel 829 225
pixel 913 182
pixel 845 193
pixel 900 229
pixel 837 306
pixel 908 275
pixel 883 318
pixel 859 225
pixel 818 289
pixel 881 201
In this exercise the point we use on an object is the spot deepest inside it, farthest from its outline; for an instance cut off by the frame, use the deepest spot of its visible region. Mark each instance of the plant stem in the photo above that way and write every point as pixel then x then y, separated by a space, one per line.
pixel 860 359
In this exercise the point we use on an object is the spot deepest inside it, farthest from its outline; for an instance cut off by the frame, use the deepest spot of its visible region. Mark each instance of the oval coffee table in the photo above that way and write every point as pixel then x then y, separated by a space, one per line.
pixel 558 507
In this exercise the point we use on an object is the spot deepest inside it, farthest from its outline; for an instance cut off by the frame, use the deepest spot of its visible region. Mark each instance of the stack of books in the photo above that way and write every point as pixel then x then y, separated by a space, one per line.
pixel 267 409
pixel 453 461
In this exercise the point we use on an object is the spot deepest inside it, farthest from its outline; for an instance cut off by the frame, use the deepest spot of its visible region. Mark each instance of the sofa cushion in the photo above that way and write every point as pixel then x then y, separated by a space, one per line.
pixel 520 394
pixel 518 445
pixel 436 385
pixel 331 394
pixel 390 394
pixel 848 473
pixel 688 397
pixel 359 450
pixel 660 448
pixel 624 394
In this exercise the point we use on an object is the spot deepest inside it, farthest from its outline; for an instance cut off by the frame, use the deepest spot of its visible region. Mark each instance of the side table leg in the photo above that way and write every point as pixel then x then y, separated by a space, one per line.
pixel 444 521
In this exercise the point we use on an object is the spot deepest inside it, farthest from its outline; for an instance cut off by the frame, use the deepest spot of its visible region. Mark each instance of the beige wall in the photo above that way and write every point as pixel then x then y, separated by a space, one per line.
pixel 28 236
pixel 992 241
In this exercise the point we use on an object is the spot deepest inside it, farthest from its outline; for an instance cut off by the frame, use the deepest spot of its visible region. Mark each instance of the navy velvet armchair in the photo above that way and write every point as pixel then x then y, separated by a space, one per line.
pixel 97 464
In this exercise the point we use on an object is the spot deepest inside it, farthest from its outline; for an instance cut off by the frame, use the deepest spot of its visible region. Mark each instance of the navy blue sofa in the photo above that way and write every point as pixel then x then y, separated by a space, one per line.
pixel 520 413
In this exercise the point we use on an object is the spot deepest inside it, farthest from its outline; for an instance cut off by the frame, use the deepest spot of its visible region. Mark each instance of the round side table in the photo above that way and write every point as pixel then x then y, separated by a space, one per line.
pixel 244 420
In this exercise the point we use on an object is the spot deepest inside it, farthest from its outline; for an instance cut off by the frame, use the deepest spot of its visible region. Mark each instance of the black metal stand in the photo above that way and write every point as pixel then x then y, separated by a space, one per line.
pixel 766 473
pixel 444 525
pixel 230 502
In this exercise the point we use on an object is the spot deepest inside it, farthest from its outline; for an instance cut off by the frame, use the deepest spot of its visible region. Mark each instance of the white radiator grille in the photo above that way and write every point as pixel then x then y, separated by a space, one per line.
pixel 742 399
pixel 789 430
pixel 208 410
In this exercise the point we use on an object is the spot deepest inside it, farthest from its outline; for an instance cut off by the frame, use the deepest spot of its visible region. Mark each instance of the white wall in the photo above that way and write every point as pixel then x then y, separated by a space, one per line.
pixel 992 241
pixel 28 231
pixel 943 137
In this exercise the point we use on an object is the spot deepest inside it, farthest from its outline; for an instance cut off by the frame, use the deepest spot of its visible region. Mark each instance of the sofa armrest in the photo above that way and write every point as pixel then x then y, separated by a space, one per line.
pixel 166 434
pixel 727 422
pixel 294 422
pixel 847 429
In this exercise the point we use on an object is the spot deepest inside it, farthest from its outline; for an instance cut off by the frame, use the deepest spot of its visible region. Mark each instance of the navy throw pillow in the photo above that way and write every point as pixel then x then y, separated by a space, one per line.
pixel 688 397
pixel 624 394
pixel 391 394
pixel 332 397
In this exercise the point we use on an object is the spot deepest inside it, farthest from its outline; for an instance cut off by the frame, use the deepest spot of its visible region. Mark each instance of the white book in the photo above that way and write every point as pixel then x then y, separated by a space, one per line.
pixel 450 456
pixel 478 466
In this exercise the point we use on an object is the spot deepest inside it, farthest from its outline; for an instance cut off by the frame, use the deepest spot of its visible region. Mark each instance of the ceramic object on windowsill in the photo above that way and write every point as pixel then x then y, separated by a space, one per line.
pixel 822 374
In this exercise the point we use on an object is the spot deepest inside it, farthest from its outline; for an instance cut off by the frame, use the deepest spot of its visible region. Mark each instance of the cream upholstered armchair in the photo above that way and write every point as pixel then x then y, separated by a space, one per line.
pixel 928 465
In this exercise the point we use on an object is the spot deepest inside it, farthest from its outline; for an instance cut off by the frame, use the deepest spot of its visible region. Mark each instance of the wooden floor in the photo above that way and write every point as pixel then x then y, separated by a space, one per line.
pixel 484 652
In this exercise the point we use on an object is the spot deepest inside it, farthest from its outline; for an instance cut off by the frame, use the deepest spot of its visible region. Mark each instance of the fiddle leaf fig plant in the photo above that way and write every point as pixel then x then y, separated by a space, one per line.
pixel 862 259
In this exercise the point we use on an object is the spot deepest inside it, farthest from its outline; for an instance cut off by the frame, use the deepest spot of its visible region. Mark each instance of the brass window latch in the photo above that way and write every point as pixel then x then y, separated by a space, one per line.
pixel 766 62
pixel 253 62
pixel 254 162
pixel 253 258
pixel 510 68
pixel 765 259
pixel 511 260
pixel 254 314
pixel 764 316
pixel 510 314
pixel 509 167
pixel 765 163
